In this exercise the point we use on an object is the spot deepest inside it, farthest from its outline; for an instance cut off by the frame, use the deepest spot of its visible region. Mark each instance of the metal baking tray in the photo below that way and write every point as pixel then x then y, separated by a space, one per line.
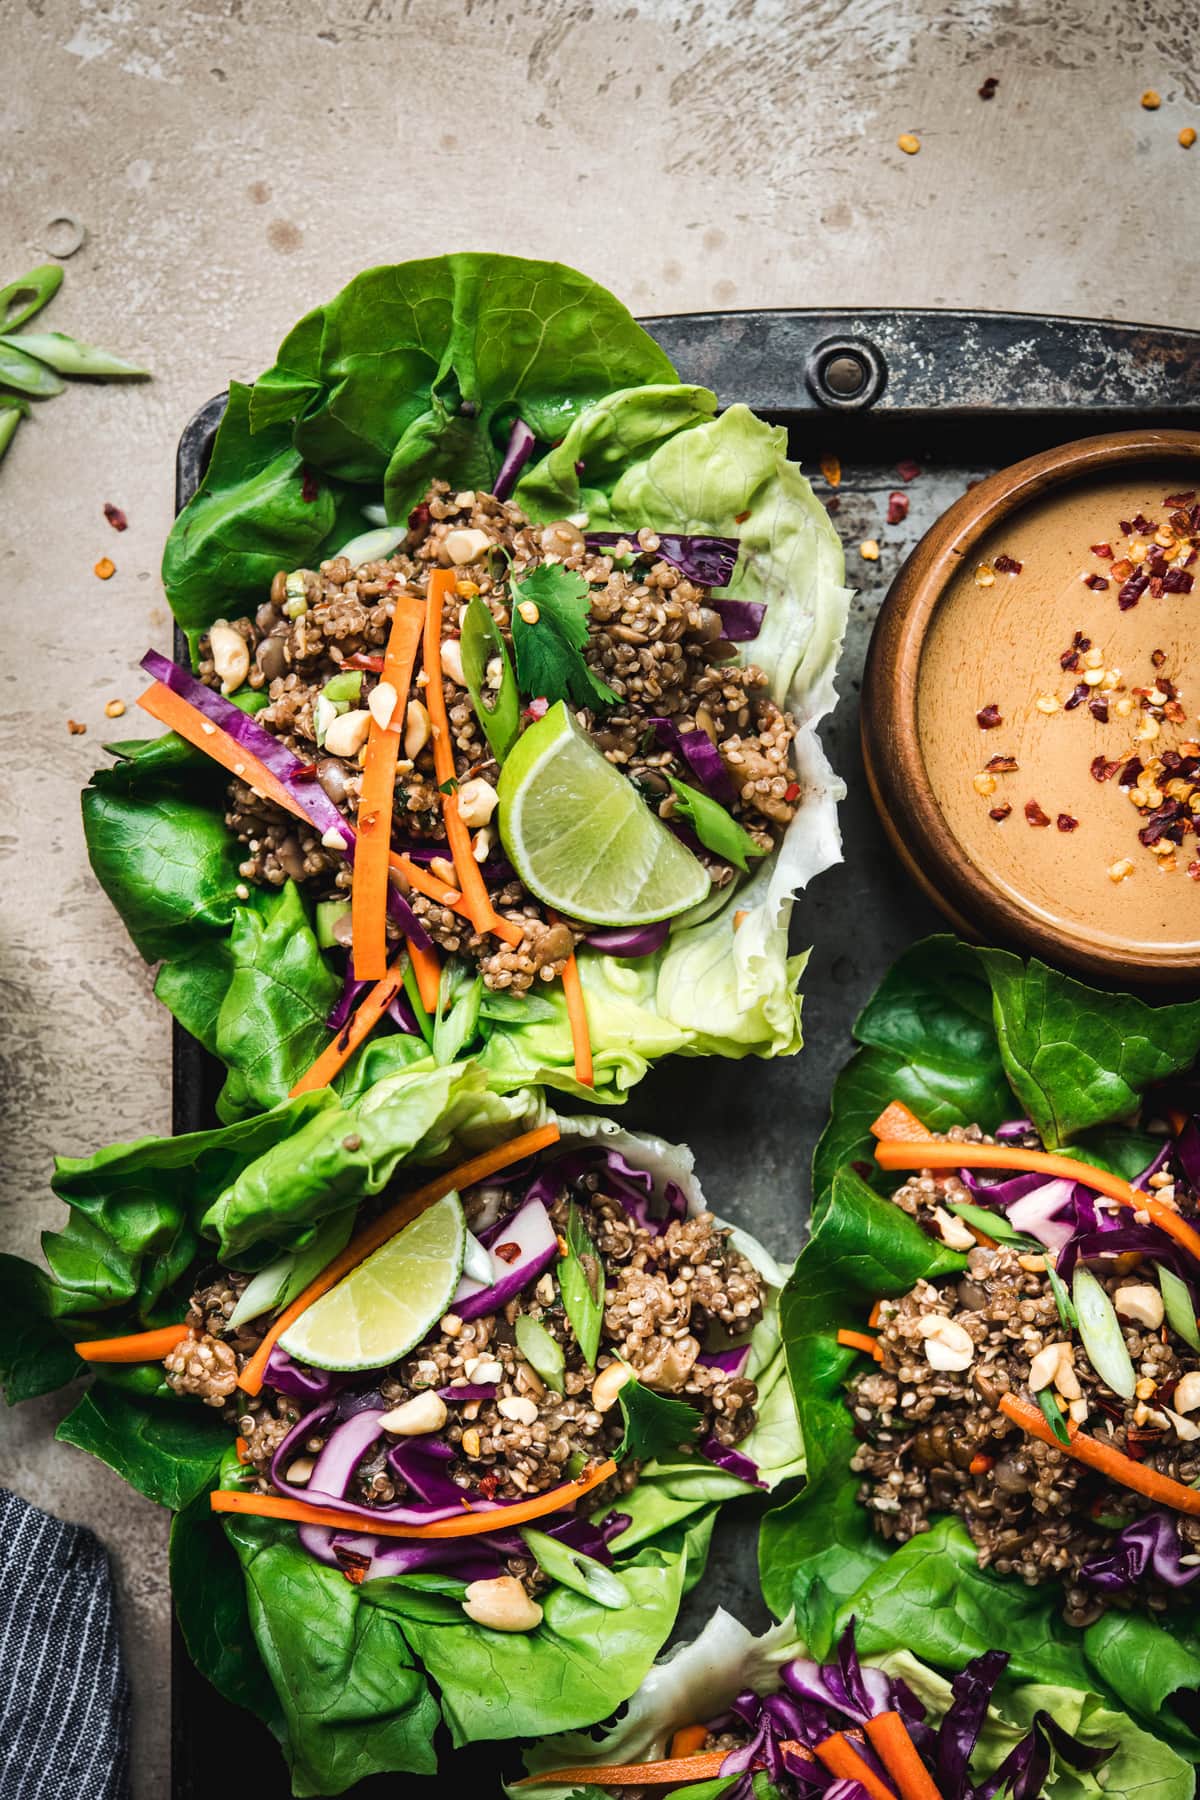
pixel 959 394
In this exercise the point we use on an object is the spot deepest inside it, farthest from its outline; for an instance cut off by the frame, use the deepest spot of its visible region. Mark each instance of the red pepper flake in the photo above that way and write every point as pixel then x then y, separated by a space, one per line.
pixel 1104 550
pixel 1006 565
pixel 1158 658
pixel 1000 813
pixel 115 516
pixel 309 490
pixel 1156 587
pixel 1177 581
pixel 1098 707
pixel 1131 591
pixel 1129 774
pixel 1102 769
pixel 307 772
pixel 420 518
pixel 1125 526
pixel 1035 815
pixel 988 717
pixel 907 469
pixel 508 1253
pixel 537 709
pixel 988 92
pixel 740 518
pixel 1065 822
pixel 489 1483
pixel 897 507
pixel 1002 765
pixel 1143 524
pixel 1122 569
pixel 1180 499
pixel 362 659
pixel 1077 696
pixel 791 791
pixel 1174 712
pixel 1193 870
pixel 1097 583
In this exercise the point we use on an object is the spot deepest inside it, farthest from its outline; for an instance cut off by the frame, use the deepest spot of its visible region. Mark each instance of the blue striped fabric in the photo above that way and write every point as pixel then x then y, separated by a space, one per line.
pixel 64 1699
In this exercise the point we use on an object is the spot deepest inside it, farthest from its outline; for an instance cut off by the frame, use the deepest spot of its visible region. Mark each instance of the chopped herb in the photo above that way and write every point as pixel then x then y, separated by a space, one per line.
pixel 549 652
pixel 717 830
pixel 654 1424
pixel 448 787
pixel 581 1283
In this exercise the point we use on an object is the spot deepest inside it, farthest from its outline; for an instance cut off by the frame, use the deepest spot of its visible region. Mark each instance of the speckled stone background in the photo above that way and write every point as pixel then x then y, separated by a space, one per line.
pixel 235 161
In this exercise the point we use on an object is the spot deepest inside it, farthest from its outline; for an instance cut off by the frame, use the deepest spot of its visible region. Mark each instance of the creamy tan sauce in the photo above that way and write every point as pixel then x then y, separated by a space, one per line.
pixel 1000 645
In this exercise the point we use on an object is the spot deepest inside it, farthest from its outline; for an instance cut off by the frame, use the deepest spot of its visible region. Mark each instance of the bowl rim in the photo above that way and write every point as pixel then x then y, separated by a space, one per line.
pixel 895 767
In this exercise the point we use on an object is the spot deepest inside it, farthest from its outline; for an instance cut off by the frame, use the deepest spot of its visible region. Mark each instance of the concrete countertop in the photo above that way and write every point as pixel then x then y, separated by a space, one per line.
pixel 236 161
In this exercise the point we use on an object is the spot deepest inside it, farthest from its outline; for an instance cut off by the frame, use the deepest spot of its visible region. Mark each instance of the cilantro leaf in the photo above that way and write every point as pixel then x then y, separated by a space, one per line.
pixel 549 651
pixel 654 1424
pixel 581 1284
pixel 715 828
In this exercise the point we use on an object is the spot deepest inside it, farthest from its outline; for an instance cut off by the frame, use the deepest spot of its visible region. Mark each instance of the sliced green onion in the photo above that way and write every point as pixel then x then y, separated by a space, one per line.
pixel 575 1570
pixel 329 913
pixel 477 1262
pixel 373 546
pixel 70 357
pixel 994 1225
pixel 1054 1418
pixel 413 994
pixel 1103 1339
pixel 542 1352
pixel 295 596
pixel 26 373
pixel 1177 1303
pixel 1066 1309
pixel 497 709
pixel 346 686
pixel 28 294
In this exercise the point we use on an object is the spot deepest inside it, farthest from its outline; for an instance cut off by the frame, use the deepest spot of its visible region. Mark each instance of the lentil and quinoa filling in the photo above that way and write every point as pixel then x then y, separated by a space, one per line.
pixel 932 1439
pixel 653 638
pixel 666 1298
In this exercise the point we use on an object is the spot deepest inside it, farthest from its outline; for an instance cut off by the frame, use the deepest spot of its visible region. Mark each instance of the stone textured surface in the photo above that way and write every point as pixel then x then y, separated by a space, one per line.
pixel 235 161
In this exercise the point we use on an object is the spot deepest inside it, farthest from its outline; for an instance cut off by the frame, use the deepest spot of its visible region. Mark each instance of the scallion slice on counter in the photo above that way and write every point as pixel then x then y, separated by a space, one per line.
pixel 1179 1307
pixel 1103 1339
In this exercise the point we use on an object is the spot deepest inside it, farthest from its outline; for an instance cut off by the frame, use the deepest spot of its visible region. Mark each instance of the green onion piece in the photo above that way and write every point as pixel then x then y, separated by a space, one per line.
pixel 70 357
pixel 716 828
pixel 1066 1309
pixel 11 413
pixel 994 1225
pixel 1054 1418
pixel 26 373
pixel 28 294
pixel 413 993
pixel 1110 1521
pixel 329 912
pixel 582 1573
pixel 581 1285
pixel 458 1013
pixel 1177 1303
pixel 1103 1339
pixel 542 1352
pixel 497 709
pixel 346 686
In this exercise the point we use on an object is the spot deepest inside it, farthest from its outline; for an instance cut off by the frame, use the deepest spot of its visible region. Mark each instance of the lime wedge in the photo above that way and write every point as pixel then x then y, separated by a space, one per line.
pixel 382 1309
pixel 581 837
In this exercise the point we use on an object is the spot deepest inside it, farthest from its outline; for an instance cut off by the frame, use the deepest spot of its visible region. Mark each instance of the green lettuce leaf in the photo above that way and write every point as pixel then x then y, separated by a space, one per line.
pixel 1077 1058
pixel 167 1451
pixel 34 1356
pixel 353 1701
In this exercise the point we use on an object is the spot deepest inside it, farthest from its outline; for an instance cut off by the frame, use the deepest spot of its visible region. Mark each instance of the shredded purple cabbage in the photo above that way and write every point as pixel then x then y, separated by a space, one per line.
pixel 729 1360
pixel 309 796
pixel 701 756
pixel 1024 1771
pixel 468 1390
pixel 1014 1130
pixel 1151 1547
pixel 634 1187
pixel 1187 1153
pixel 741 620
pixel 732 1461
pixel 972 1689
pixel 633 940
pixel 708 561
pixel 298 1380
pixel 530 1230
pixel 520 448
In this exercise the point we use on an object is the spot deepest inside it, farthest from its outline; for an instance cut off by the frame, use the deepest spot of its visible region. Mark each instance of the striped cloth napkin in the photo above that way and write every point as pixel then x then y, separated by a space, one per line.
pixel 64 1699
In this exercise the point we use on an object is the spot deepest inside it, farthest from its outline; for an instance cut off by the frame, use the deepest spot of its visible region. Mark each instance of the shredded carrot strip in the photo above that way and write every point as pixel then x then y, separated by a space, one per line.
pixel 361 1023
pixel 934 1154
pixel 843 1760
pixel 470 1524
pixel 466 1175
pixel 874 1315
pixel 896 1121
pixel 1105 1458
pixel 242 1448
pixel 478 904
pixel 142 1346
pixel 892 1744
pixel 581 1041
pixel 427 883
pixel 979 1465
pixel 180 716
pixel 859 1340
pixel 687 1741
pixel 674 1769
pixel 368 896
pixel 428 972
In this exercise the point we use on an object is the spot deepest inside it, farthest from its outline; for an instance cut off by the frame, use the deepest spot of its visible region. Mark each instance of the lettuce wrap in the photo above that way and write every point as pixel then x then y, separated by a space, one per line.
pixel 966 1037
pixel 353 1670
pixel 427 370
pixel 969 1729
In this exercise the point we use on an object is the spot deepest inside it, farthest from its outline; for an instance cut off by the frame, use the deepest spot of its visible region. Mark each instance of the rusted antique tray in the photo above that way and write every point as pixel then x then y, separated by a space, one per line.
pixel 958 394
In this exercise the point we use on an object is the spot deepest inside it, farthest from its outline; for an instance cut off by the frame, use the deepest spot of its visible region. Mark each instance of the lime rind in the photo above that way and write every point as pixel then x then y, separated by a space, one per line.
pixel 582 839
pixel 387 1305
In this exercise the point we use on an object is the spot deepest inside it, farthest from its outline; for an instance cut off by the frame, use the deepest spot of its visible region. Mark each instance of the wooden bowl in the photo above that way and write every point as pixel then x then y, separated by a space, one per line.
pixel 977 902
